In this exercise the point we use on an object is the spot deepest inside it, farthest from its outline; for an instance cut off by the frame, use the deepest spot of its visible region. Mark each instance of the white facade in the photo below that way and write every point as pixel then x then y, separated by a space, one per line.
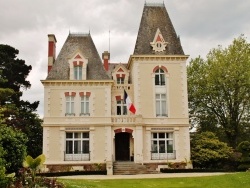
pixel 86 121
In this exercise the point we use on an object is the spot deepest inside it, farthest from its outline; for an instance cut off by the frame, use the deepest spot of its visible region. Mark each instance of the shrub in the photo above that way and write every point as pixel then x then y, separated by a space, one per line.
pixel 244 148
pixel 208 152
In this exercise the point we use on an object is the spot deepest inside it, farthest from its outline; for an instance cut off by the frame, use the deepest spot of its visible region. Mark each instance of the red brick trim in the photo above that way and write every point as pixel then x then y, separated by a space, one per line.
pixel 88 94
pixel 118 76
pixel 120 70
pixel 70 94
pixel 161 67
pixel 118 98
pixel 75 63
pixel 118 130
pixel 81 94
pixel 49 68
pixel 127 130
pixel 51 51
pixel 80 63
pixel 78 57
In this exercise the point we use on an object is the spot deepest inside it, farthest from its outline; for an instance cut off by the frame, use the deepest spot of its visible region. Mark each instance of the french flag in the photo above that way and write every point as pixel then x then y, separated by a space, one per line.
pixel 128 102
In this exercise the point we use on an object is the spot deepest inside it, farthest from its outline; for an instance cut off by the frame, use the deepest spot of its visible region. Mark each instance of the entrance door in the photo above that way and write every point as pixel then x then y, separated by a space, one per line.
pixel 122 146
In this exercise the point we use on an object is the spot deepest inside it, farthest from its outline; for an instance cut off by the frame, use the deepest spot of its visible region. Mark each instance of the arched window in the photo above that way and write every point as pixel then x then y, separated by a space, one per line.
pixel 160 77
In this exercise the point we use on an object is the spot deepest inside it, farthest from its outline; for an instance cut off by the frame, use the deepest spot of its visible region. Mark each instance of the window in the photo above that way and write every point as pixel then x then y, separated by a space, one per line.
pixel 120 80
pixel 85 105
pixel 162 146
pixel 70 105
pixel 77 146
pixel 121 108
pixel 78 72
pixel 161 109
pixel 158 45
pixel 159 77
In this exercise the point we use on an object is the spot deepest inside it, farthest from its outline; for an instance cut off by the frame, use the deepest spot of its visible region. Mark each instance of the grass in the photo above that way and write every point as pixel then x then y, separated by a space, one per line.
pixel 236 180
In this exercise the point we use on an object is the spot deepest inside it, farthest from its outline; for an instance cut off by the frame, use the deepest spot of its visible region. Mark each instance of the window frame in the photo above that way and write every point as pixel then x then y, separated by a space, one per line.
pixel 161 105
pixel 72 145
pixel 162 145
pixel 70 105
pixel 120 80
pixel 78 72
pixel 122 107
pixel 160 77
pixel 84 105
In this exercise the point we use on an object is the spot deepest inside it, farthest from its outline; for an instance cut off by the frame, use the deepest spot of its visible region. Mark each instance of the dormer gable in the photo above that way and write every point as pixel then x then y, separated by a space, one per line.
pixel 158 43
pixel 78 67
pixel 120 74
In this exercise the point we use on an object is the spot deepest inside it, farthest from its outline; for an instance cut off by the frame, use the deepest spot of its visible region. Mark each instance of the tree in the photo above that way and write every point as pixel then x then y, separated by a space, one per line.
pixel 13 73
pixel 219 92
pixel 207 151
pixel 13 143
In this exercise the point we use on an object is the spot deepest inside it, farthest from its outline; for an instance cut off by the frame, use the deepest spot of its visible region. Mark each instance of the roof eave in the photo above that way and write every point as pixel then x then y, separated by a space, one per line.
pixel 170 57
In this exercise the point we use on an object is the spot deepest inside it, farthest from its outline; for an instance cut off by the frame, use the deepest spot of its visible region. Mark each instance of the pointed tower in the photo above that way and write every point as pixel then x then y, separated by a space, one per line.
pixel 156 33
pixel 158 76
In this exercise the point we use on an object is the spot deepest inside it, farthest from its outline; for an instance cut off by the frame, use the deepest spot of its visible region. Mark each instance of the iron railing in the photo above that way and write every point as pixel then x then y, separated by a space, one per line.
pixel 163 156
pixel 79 156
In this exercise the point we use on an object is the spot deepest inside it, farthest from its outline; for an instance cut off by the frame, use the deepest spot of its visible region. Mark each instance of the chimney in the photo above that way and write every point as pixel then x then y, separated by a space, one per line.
pixel 106 57
pixel 51 50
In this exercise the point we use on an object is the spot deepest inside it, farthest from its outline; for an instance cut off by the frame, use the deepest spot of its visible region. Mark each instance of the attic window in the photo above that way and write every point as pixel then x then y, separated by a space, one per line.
pixel 158 43
pixel 78 67
pixel 78 72
pixel 120 78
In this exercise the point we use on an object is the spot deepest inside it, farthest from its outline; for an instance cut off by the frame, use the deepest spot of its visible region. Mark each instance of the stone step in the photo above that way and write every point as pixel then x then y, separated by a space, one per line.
pixel 131 168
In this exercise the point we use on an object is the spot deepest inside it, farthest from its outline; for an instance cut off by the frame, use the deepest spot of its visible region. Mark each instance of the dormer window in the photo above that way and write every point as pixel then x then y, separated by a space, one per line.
pixel 78 67
pixel 120 80
pixel 120 74
pixel 78 72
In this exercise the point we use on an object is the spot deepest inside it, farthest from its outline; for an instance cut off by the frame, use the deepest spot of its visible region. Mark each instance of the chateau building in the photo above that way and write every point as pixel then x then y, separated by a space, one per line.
pixel 88 114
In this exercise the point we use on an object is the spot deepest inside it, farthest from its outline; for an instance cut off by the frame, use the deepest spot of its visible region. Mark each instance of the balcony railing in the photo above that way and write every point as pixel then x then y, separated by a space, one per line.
pixel 163 156
pixel 79 156
pixel 119 87
pixel 123 119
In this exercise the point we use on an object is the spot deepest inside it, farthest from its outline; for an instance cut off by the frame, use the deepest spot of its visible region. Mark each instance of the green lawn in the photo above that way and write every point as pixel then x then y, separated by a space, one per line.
pixel 237 180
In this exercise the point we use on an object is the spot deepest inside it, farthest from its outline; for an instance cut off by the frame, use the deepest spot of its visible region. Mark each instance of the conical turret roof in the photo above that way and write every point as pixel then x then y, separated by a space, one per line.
pixel 84 44
pixel 155 18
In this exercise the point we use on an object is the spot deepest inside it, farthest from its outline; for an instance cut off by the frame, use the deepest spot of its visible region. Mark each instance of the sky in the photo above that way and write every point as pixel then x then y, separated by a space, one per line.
pixel 25 25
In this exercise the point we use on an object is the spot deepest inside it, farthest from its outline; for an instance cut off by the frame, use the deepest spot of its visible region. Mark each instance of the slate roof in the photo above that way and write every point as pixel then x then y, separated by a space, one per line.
pixel 84 44
pixel 153 17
